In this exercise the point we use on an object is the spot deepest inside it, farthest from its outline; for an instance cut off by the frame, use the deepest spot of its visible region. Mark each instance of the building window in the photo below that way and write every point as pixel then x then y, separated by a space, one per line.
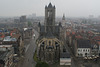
pixel 78 54
pixel 85 54
pixel 83 50
pixel 81 55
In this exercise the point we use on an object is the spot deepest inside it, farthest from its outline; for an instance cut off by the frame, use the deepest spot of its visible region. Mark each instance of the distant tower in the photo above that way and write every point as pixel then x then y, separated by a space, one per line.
pixel 23 18
pixel 49 44
pixel 63 20
pixel 49 18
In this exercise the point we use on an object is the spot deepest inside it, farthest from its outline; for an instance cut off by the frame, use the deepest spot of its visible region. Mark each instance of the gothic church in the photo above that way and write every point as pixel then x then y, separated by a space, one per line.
pixel 49 43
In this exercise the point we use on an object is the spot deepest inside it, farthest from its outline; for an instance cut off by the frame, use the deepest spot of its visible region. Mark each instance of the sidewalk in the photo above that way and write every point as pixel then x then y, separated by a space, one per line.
pixel 21 59
pixel 58 65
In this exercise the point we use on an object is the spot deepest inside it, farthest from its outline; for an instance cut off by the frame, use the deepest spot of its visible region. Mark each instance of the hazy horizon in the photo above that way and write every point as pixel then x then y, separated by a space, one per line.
pixel 71 8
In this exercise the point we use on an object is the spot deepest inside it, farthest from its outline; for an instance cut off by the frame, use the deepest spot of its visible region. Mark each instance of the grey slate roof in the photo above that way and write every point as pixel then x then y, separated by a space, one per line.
pixel 49 35
pixel 65 54
pixel 82 43
pixel 42 29
pixel 57 29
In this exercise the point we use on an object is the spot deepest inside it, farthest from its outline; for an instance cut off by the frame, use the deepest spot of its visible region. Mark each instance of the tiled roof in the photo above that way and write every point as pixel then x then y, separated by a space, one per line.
pixel 83 43
pixel 96 38
pixel 78 36
pixel 98 42
pixel 73 33
pixel 16 36
pixel 68 33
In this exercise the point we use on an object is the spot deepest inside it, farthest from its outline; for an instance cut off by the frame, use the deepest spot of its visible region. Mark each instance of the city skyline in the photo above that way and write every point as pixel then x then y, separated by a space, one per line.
pixel 77 8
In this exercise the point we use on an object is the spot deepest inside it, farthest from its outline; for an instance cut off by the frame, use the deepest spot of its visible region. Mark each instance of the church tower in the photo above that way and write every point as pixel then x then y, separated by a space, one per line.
pixel 49 18
pixel 63 20
pixel 49 44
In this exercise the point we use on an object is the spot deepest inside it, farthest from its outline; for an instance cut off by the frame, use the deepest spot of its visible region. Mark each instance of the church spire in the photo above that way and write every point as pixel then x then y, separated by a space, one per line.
pixel 50 5
pixel 63 18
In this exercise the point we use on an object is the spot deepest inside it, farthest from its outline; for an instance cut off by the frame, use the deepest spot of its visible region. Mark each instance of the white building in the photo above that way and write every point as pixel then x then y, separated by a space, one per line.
pixel 65 58
pixel 82 48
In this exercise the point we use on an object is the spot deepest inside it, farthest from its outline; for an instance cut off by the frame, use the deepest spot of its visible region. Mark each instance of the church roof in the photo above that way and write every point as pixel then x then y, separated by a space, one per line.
pixel 49 34
pixel 42 29
pixel 50 5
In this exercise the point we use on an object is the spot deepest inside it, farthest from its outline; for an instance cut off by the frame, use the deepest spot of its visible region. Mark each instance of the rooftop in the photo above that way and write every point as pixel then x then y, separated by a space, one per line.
pixel 65 54
pixel 3 54
pixel 83 43
pixel 9 38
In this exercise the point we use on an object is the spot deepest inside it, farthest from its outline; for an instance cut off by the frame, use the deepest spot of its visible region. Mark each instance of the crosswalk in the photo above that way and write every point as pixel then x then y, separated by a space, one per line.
pixel 27 47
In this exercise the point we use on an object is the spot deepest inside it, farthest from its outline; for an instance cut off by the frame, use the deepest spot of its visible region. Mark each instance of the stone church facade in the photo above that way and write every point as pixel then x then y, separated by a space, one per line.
pixel 49 43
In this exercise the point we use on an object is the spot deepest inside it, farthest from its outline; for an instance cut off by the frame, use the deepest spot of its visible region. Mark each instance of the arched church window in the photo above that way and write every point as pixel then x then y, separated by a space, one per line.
pixel 43 43
pixel 49 13
pixel 49 43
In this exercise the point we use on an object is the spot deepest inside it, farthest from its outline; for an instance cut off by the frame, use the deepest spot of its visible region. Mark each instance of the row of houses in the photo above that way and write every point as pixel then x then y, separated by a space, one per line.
pixel 84 44
pixel 12 45
pixel 6 55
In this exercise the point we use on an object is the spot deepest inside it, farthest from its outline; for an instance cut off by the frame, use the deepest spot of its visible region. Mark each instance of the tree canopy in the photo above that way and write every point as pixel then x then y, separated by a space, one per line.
pixel 41 64
pixel 29 23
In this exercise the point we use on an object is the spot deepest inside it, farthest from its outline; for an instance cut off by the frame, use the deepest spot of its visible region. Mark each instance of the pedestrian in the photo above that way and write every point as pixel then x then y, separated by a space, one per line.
pixel 34 36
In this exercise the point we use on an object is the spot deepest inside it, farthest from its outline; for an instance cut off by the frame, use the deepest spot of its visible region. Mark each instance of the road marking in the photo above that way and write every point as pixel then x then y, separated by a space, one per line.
pixel 27 47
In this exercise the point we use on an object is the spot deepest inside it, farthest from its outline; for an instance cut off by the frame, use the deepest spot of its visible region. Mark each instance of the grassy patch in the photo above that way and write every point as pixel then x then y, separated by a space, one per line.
pixel 35 56
pixel 41 64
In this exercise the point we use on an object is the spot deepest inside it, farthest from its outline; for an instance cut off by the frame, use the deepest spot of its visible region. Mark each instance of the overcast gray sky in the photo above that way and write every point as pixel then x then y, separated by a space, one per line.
pixel 71 8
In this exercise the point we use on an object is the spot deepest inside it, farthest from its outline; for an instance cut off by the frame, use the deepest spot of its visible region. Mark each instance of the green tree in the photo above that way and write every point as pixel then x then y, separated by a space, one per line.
pixel 29 24
pixel 41 64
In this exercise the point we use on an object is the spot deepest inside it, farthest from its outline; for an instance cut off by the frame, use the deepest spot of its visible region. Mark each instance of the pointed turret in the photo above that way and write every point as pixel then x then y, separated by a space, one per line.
pixel 39 24
pixel 60 24
pixel 46 6
pixel 54 6
pixel 50 5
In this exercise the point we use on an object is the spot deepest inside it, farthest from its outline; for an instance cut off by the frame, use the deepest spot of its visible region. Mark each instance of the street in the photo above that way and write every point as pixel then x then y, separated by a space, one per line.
pixel 79 62
pixel 27 60
pixel 29 53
